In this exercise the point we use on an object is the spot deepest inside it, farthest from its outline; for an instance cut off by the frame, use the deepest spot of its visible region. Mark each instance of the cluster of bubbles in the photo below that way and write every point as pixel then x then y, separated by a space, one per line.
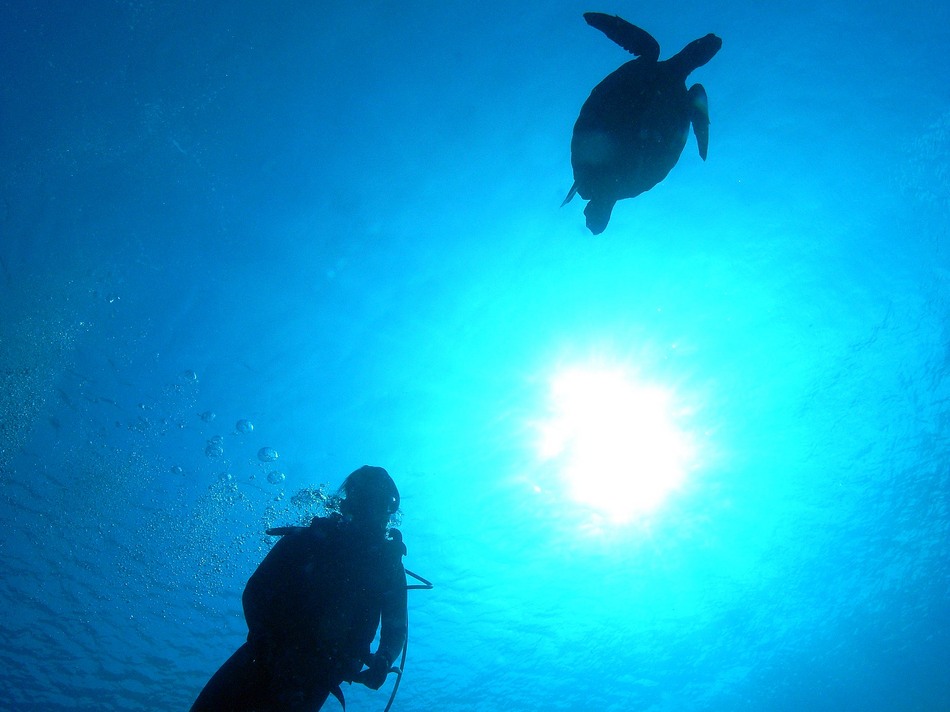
pixel 204 541
pixel 34 350
pixel 117 469
pixel 215 445
pixel 303 506
pixel 313 498
pixel 226 523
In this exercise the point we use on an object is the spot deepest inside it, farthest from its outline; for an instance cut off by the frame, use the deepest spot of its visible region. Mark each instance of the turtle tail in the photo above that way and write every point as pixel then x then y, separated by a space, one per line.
pixel 570 194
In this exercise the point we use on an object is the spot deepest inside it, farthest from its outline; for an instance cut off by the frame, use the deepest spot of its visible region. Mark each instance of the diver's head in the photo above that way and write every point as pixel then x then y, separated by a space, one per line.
pixel 369 496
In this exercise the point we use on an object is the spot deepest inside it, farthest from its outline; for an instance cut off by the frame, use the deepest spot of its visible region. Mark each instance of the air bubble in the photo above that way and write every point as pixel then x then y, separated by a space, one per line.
pixel 244 426
pixel 267 454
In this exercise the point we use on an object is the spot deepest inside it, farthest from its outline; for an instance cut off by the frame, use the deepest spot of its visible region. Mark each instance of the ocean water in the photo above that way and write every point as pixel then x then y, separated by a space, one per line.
pixel 339 222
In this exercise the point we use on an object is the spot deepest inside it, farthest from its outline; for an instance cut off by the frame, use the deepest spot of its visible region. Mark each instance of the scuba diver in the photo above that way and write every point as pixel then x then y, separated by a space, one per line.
pixel 313 606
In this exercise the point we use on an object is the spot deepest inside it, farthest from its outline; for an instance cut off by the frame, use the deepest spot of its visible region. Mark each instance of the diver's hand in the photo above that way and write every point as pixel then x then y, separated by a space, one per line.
pixel 375 676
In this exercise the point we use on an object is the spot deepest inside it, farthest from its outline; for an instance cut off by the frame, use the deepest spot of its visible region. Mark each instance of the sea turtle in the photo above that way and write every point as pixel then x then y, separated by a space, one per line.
pixel 633 126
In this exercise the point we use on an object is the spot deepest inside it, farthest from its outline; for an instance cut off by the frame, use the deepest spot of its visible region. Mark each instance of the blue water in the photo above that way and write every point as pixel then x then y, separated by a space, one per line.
pixel 342 224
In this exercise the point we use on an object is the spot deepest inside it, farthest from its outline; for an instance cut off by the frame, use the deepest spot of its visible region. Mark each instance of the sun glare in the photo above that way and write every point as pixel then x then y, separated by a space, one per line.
pixel 614 440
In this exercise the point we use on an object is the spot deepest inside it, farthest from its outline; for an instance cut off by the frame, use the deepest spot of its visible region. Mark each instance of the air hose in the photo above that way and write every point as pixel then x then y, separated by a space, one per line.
pixel 425 585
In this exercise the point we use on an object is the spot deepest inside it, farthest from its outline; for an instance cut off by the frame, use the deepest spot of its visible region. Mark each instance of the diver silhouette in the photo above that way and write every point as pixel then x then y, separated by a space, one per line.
pixel 313 607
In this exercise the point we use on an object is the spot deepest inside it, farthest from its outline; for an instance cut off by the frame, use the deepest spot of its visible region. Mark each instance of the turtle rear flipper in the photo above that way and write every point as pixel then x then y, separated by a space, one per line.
pixel 630 37
pixel 598 215
pixel 699 116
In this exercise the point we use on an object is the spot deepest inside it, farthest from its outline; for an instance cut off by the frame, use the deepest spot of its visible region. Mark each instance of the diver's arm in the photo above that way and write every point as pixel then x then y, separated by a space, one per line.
pixel 392 632
pixel 394 616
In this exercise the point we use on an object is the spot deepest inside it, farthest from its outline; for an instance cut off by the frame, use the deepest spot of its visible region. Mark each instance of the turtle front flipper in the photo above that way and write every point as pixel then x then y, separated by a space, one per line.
pixel 699 116
pixel 597 213
pixel 630 37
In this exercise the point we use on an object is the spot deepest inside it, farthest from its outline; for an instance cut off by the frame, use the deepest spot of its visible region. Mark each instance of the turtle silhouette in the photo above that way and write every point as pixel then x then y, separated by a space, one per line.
pixel 632 129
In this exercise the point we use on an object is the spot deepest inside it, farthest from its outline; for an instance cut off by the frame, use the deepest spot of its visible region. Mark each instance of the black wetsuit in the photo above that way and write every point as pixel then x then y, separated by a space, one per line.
pixel 312 610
